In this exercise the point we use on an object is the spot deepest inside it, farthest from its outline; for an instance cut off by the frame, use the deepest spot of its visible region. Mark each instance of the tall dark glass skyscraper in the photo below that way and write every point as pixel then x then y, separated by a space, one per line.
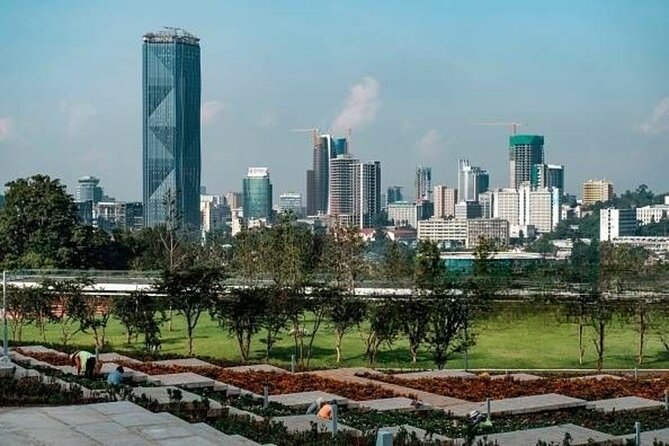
pixel 171 133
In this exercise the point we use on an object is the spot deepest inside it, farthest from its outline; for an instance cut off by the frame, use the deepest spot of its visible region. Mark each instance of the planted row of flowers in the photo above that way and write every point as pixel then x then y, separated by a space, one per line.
pixel 36 390
pixel 479 388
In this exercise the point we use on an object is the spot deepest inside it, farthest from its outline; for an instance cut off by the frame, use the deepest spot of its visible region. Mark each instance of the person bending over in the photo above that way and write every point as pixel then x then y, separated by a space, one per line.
pixel 84 362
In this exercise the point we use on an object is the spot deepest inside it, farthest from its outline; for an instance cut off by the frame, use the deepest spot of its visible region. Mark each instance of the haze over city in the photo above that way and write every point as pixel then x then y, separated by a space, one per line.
pixel 411 79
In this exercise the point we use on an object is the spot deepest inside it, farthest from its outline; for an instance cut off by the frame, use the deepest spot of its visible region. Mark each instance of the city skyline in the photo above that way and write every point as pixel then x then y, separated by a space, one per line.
pixel 601 104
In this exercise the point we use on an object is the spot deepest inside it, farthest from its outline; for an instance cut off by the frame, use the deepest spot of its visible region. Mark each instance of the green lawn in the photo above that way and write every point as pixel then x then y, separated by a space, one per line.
pixel 507 341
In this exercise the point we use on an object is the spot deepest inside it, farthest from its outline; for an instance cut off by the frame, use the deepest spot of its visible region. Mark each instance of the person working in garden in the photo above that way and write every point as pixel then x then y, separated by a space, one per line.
pixel 321 409
pixel 84 362
pixel 115 378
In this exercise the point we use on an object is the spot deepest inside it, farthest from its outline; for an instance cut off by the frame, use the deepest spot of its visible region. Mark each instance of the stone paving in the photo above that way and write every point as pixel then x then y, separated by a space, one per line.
pixel 435 374
pixel 302 423
pixel 517 377
pixel 598 377
pixel 188 380
pixel 257 368
pixel 6 369
pixel 397 404
pixel 625 403
pixel 649 438
pixel 116 357
pixel 349 375
pixel 185 362
pixel 550 435
pixel 109 424
pixel 521 405
pixel 421 434
pixel 304 399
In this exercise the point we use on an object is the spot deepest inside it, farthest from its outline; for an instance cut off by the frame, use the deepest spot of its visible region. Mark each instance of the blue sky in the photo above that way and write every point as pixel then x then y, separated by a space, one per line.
pixel 411 77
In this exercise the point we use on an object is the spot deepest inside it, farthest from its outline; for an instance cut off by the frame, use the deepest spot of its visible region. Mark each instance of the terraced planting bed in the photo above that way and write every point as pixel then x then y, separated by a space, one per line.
pixel 31 391
pixel 478 388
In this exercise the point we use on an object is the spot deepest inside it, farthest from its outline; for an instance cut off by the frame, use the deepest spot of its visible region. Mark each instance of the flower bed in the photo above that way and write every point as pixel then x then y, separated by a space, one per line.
pixel 478 389
pixel 49 358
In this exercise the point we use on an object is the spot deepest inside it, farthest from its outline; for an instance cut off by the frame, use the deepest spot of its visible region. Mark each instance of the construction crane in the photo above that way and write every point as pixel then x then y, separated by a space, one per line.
pixel 513 125
pixel 314 133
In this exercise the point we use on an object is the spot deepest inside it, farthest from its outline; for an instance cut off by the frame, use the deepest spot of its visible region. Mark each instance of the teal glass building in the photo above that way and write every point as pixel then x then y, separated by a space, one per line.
pixel 257 193
pixel 171 128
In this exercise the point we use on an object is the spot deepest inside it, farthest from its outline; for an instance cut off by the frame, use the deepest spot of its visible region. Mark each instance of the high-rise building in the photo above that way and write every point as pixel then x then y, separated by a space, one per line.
pixel 88 189
pixel 445 199
pixel 171 127
pixel 524 152
pixel 548 175
pixel 423 184
pixel 257 194
pixel 464 210
pixel 487 201
pixel 597 190
pixel 495 229
pixel 368 194
pixel 616 223
pixel 540 208
pixel 311 192
pixel 394 194
pixel 214 212
pixel 321 169
pixel 472 180
pixel 339 147
pixel 404 213
pixel 505 205
pixel 440 230
pixel 233 200
pixel 291 202
pixel 343 171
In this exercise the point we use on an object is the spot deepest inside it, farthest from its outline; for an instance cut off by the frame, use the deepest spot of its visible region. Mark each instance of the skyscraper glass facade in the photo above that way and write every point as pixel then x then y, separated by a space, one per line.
pixel 257 194
pixel 171 128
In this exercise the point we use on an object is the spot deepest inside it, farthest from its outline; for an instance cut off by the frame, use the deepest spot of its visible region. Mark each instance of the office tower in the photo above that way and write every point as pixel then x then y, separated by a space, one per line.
pixel 439 230
pixel 233 200
pixel 444 201
pixel 472 180
pixel 487 202
pixel 311 194
pixel 548 175
pixel 495 229
pixel 403 213
pixel 423 183
pixel 88 189
pixel 342 187
pixel 506 205
pixel 616 223
pixel 257 194
pixel 134 215
pixel 339 147
pixel 539 208
pixel 109 215
pixel 393 194
pixel 465 210
pixel 214 212
pixel 597 190
pixel 321 169
pixel 524 152
pixel 368 193
pixel 171 128
pixel 291 202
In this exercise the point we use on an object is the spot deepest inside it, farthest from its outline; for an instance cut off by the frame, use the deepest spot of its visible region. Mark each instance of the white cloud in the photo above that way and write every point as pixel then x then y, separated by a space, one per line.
pixel 658 121
pixel 211 110
pixel 6 126
pixel 360 107
pixel 429 143
pixel 77 115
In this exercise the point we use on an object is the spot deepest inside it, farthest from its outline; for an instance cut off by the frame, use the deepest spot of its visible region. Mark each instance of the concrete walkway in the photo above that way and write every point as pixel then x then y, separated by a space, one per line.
pixel 349 375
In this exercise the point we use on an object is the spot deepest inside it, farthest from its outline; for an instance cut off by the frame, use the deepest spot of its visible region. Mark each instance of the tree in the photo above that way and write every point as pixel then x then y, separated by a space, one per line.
pixel 294 242
pixel 397 263
pixel 65 300
pixel 36 224
pixel 344 313
pixel 247 255
pixel 447 334
pixel 343 256
pixel 275 317
pixel 242 314
pixel 23 305
pixel 93 312
pixel 141 314
pixel 384 326
pixel 191 291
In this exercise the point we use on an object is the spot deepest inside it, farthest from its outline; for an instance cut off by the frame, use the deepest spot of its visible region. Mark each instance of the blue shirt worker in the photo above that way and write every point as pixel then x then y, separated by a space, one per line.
pixel 115 378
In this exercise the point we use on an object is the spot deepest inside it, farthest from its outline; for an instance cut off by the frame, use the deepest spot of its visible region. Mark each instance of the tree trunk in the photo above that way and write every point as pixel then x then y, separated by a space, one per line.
pixel 414 352
pixel 600 346
pixel 190 339
pixel 581 347
pixel 169 323
pixel 642 335
pixel 340 335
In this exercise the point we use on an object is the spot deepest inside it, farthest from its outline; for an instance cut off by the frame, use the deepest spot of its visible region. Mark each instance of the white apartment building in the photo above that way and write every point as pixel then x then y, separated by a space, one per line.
pixel 403 213
pixel 440 230
pixel 506 205
pixel 615 223
pixel 652 214
pixel 488 228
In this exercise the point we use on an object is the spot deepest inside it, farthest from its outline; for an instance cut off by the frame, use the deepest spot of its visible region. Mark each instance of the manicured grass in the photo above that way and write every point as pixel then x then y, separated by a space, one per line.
pixel 509 340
